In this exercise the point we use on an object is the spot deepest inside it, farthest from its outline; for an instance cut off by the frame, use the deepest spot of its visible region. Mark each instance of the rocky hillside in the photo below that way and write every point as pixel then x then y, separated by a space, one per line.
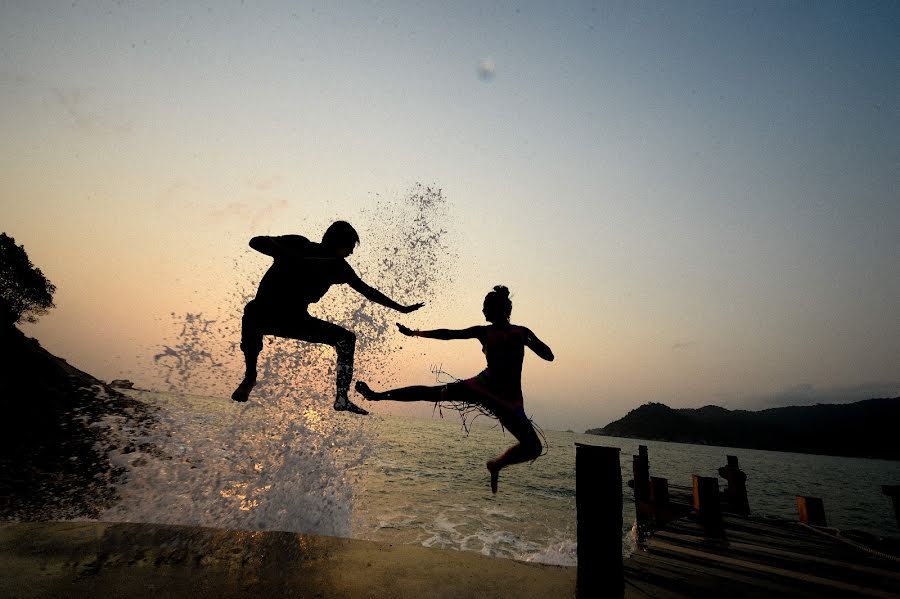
pixel 866 428
pixel 57 426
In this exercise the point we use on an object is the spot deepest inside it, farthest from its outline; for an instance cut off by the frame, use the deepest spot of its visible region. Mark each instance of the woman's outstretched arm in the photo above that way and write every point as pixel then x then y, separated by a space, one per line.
pixel 445 334
pixel 538 346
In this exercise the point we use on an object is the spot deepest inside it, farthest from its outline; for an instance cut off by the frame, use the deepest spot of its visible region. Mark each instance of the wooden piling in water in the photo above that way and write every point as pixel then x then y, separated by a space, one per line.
pixel 598 505
pixel 706 500
pixel 659 492
pixel 736 489
pixel 641 485
pixel 811 510
pixel 659 500
pixel 641 470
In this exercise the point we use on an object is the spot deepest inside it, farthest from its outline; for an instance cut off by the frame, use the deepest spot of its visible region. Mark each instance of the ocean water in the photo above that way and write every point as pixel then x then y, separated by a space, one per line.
pixel 292 463
pixel 287 461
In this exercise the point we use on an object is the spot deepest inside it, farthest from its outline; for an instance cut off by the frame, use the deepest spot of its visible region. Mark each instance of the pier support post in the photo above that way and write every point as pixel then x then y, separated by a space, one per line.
pixel 659 492
pixel 893 491
pixel 598 504
pixel 641 469
pixel 812 510
pixel 641 484
pixel 706 500
pixel 659 499
pixel 736 490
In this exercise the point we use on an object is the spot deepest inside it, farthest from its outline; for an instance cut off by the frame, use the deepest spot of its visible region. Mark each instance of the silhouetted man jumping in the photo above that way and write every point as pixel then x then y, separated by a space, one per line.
pixel 301 274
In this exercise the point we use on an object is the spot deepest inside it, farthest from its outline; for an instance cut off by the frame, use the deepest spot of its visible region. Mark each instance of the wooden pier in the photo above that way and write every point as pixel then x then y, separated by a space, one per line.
pixel 699 541
pixel 755 557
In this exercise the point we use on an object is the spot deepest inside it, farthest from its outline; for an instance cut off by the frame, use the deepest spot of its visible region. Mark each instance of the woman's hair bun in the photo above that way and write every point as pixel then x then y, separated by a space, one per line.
pixel 497 305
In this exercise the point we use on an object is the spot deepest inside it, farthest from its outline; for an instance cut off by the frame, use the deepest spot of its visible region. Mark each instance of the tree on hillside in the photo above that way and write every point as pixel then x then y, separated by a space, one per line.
pixel 25 293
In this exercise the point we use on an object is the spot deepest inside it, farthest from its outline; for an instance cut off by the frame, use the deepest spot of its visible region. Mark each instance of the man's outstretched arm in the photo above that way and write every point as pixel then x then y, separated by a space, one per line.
pixel 372 294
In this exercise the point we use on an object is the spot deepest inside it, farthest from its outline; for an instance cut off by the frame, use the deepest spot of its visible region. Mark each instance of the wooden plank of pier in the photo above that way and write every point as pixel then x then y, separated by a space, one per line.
pixel 755 557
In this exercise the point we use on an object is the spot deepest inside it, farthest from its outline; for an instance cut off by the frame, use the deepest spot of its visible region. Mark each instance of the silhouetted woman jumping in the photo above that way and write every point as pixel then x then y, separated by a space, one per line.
pixel 498 388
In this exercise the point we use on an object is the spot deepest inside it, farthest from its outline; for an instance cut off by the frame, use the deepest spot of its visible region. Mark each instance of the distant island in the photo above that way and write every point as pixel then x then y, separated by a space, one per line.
pixel 866 428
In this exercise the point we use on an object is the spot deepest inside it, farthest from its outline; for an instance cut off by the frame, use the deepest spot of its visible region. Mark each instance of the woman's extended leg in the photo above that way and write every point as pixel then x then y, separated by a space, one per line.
pixel 529 446
pixel 414 393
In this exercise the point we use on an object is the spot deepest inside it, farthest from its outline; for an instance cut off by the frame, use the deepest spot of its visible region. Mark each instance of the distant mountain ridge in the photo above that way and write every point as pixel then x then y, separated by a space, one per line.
pixel 866 428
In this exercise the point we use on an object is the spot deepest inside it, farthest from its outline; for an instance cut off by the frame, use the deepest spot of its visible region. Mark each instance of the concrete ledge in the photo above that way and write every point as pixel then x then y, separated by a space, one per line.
pixel 96 559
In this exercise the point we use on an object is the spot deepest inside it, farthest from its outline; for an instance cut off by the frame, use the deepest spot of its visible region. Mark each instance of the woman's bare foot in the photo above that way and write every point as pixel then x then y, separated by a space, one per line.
pixel 364 390
pixel 242 393
pixel 494 469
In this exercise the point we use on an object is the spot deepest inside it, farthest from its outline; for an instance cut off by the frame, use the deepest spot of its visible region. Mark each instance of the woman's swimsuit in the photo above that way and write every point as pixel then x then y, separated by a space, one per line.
pixel 499 386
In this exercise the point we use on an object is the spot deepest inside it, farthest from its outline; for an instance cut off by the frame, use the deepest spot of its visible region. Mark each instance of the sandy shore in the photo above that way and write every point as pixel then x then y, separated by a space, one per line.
pixel 95 559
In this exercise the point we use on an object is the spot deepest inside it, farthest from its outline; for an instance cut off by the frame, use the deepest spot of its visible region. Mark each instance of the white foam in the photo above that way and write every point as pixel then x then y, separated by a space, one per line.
pixel 253 469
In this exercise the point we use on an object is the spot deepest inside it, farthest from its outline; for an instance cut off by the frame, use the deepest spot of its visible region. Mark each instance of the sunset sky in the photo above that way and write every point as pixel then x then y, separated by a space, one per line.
pixel 692 202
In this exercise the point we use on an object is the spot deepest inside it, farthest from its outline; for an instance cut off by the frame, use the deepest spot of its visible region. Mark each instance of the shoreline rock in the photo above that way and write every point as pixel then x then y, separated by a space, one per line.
pixel 121 384
pixel 59 425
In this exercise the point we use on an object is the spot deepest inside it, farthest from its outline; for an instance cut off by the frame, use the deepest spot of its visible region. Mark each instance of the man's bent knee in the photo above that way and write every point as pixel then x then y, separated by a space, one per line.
pixel 251 335
pixel 251 347
pixel 347 343
pixel 251 339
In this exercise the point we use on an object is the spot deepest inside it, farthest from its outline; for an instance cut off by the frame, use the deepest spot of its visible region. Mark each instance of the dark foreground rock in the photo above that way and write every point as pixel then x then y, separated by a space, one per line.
pixel 57 427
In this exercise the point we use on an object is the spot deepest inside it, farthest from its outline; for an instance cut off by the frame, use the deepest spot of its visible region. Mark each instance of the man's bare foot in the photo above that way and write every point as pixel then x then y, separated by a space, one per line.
pixel 342 404
pixel 242 393
pixel 494 469
pixel 364 390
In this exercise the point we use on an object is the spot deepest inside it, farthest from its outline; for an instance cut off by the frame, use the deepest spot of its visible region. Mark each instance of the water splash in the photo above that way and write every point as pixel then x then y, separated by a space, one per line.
pixel 214 465
pixel 189 355
pixel 285 460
